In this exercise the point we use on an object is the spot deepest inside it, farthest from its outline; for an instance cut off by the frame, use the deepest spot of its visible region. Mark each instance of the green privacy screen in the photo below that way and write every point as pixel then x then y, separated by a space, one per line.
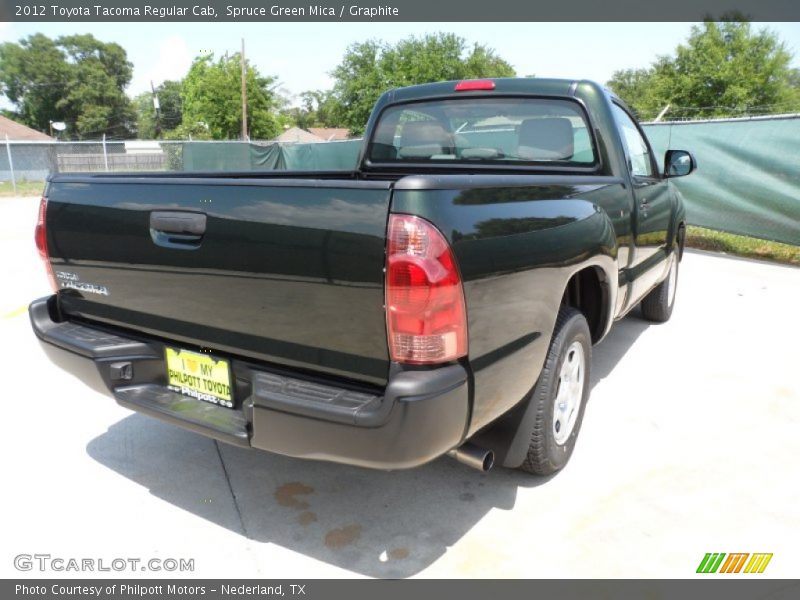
pixel 747 182
pixel 748 177
pixel 234 156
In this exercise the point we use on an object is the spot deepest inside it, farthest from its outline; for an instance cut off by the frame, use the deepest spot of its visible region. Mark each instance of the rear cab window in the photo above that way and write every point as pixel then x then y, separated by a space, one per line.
pixel 493 131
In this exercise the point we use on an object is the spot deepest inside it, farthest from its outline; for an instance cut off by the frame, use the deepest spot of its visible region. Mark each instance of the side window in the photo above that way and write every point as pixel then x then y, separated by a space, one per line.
pixel 638 151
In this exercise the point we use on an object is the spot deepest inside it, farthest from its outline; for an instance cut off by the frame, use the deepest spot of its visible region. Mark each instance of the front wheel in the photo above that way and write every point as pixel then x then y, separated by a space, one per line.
pixel 657 305
pixel 559 397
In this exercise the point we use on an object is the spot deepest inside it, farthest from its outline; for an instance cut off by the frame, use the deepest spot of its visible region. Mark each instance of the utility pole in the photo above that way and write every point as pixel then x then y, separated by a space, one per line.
pixel 157 106
pixel 244 94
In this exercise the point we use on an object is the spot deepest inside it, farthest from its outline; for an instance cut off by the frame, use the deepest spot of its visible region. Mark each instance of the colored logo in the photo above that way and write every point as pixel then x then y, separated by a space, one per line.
pixel 719 562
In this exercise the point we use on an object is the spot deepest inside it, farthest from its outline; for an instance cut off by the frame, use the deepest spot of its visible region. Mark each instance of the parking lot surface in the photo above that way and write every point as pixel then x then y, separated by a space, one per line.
pixel 689 445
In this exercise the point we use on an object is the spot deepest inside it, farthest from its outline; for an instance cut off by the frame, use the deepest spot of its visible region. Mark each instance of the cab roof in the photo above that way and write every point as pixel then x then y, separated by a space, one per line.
pixel 503 85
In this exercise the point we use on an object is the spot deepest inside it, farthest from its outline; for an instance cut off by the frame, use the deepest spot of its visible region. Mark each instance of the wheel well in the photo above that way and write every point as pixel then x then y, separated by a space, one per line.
pixel 587 292
pixel 680 239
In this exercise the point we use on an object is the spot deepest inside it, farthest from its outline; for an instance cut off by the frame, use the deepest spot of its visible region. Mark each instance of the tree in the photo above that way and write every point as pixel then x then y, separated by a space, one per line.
pixel 318 109
pixel 724 68
pixel 370 68
pixel 634 86
pixel 33 74
pixel 171 104
pixel 212 101
pixel 145 116
pixel 794 79
pixel 149 125
pixel 794 85
pixel 76 79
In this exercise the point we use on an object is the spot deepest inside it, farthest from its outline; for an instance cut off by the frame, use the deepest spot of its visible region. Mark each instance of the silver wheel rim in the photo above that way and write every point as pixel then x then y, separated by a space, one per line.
pixel 569 393
pixel 673 279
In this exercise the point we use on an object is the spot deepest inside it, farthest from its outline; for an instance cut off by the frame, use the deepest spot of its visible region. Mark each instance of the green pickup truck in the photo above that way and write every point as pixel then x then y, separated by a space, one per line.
pixel 442 298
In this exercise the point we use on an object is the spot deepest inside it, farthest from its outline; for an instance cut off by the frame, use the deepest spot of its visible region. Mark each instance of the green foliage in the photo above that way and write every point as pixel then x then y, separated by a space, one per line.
pixel 793 80
pixel 170 113
pixel 634 86
pixel 76 79
pixel 198 130
pixel 24 188
pixel 725 68
pixel 318 109
pixel 212 101
pixel 145 116
pixel 33 75
pixel 739 245
pixel 174 156
pixel 370 68
pixel 171 104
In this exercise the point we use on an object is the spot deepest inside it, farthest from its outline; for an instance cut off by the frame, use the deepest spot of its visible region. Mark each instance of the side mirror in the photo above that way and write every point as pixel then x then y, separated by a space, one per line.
pixel 678 163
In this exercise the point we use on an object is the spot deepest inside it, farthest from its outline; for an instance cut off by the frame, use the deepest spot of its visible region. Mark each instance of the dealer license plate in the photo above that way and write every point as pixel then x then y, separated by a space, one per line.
pixel 199 376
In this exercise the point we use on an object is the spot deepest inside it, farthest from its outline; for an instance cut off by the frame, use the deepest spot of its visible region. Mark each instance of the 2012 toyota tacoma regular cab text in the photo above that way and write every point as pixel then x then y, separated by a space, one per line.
pixel 443 298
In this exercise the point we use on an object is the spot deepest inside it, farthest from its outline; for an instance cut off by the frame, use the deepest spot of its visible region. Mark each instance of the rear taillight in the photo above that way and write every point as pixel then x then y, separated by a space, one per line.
pixel 41 242
pixel 425 313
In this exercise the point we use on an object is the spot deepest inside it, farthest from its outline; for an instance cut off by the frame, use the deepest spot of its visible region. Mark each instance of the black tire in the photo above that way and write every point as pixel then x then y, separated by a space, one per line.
pixel 657 305
pixel 545 454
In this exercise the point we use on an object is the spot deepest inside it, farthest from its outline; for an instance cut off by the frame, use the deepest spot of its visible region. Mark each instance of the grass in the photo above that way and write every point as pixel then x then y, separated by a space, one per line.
pixel 24 188
pixel 739 245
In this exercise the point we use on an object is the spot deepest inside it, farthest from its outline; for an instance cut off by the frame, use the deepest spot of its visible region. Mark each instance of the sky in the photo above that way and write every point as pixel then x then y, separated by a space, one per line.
pixel 302 55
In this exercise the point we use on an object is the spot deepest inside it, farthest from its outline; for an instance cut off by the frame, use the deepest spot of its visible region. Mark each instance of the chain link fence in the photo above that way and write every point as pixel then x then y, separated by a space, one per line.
pixel 34 161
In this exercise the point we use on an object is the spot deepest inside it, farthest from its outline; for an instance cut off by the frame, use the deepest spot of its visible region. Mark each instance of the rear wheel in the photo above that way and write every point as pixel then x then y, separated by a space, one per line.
pixel 560 395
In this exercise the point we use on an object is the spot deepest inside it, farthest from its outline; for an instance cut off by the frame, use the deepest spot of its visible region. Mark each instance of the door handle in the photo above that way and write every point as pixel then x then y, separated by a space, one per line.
pixel 179 230
pixel 186 223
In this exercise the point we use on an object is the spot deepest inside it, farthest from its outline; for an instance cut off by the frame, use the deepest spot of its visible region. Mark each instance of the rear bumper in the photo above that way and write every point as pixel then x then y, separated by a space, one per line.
pixel 420 415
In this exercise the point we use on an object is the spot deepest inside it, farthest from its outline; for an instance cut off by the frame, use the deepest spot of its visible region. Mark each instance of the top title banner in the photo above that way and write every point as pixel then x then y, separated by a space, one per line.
pixel 395 10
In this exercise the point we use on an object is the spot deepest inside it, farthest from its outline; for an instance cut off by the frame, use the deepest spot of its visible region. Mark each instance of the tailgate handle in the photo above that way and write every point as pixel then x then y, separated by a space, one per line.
pixel 182 223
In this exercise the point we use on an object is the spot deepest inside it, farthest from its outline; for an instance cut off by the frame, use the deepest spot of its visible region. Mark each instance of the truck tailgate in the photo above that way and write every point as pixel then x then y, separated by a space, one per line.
pixel 288 271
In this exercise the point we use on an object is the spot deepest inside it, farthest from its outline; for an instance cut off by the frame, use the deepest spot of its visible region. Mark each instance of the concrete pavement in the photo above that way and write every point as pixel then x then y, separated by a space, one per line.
pixel 689 445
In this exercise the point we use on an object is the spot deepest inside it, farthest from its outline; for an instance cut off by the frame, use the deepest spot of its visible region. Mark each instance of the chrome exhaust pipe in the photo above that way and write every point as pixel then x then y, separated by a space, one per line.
pixel 472 456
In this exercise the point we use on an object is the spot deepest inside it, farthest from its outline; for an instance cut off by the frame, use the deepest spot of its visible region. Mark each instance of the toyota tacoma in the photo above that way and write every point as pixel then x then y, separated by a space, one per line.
pixel 441 298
